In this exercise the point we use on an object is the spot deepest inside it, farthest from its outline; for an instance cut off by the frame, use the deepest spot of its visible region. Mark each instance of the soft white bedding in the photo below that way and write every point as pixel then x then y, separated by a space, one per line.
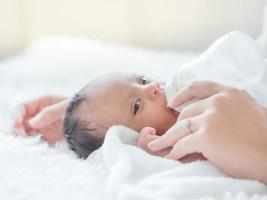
pixel 32 170
pixel 130 173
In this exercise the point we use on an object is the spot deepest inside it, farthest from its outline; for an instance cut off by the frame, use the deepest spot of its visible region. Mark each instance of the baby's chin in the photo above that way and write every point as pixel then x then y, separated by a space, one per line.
pixel 170 110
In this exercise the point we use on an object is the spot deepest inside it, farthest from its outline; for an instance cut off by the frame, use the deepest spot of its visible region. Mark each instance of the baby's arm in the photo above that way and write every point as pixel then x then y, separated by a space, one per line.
pixel 42 115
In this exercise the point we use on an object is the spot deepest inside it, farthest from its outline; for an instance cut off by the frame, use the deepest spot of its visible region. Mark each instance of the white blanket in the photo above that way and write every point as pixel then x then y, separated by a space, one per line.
pixel 32 170
pixel 131 173
pixel 234 60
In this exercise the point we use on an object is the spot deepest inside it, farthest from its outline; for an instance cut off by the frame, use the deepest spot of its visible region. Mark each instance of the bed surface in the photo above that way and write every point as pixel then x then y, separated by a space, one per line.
pixel 29 168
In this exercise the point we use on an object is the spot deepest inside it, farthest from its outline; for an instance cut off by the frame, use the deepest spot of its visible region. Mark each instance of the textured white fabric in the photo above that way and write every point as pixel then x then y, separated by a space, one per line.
pixel 234 60
pixel 134 174
pixel 29 169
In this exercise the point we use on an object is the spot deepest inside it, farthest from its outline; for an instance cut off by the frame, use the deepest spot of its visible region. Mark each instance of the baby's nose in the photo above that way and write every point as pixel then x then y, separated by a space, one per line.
pixel 153 90
pixel 157 85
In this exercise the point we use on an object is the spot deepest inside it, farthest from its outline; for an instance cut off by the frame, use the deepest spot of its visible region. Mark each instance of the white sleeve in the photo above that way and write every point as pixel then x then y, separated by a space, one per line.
pixel 234 60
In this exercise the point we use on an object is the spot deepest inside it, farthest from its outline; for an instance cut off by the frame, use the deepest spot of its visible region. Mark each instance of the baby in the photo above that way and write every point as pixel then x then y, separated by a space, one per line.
pixel 125 99
pixel 131 100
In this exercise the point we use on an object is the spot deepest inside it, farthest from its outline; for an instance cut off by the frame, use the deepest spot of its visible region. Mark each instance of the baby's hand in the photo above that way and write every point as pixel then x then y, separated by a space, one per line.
pixel 147 135
pixel 43 115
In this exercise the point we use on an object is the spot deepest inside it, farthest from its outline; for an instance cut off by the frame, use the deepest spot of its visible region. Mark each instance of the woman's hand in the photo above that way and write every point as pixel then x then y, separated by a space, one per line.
pixel 226 125
pixel 43 115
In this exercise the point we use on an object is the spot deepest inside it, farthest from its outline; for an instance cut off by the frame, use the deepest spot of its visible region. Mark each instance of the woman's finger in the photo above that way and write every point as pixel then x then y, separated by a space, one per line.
pixel 193 109
pixel 195 90
pixel 183 147
pixel 176 132
pixel 162 153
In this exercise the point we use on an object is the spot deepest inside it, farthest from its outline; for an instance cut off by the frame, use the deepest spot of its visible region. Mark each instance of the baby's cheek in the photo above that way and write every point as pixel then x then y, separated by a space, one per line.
pixel 162 121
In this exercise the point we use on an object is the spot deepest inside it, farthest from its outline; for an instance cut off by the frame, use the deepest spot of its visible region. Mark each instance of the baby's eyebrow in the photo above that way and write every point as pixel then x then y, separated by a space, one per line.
pixel 134 77
pixel 138 76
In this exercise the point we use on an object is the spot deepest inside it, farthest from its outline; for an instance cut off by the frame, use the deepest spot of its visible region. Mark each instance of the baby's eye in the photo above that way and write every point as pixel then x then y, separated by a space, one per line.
pixel 144 80
pixel 137 105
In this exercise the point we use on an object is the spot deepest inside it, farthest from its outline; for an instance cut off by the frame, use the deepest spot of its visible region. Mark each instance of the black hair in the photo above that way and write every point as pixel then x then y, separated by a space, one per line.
pixel 80 137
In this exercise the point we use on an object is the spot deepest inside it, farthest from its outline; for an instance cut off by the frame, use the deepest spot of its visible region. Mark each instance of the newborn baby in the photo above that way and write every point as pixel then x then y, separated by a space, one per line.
pixel 131 100
pixel 111 99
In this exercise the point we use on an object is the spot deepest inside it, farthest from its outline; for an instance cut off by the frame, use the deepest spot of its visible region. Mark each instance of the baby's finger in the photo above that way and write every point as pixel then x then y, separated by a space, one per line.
pixel 34 106
pixel 176 132
pixel 148 130
pixel 195 90
pixel 26 109
pixel 183 147
pixel 51 137
pixel 19 131
pixel 144 139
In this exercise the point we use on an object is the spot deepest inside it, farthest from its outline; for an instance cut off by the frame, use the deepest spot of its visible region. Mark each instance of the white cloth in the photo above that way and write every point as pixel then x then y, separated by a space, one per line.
pixel 133 174
pixel 30 169
pixel 233 60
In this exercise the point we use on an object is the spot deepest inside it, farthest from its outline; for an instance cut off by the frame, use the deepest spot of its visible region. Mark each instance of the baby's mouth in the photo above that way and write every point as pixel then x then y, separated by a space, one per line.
pixel 170 110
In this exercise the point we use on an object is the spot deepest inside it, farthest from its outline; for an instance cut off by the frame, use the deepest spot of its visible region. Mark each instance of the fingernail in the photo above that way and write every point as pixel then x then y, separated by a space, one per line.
pixel 170 104
pixel 33 121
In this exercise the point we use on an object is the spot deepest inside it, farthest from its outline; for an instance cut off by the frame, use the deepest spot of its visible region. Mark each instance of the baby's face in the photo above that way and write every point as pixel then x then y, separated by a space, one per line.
pixel 131 100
